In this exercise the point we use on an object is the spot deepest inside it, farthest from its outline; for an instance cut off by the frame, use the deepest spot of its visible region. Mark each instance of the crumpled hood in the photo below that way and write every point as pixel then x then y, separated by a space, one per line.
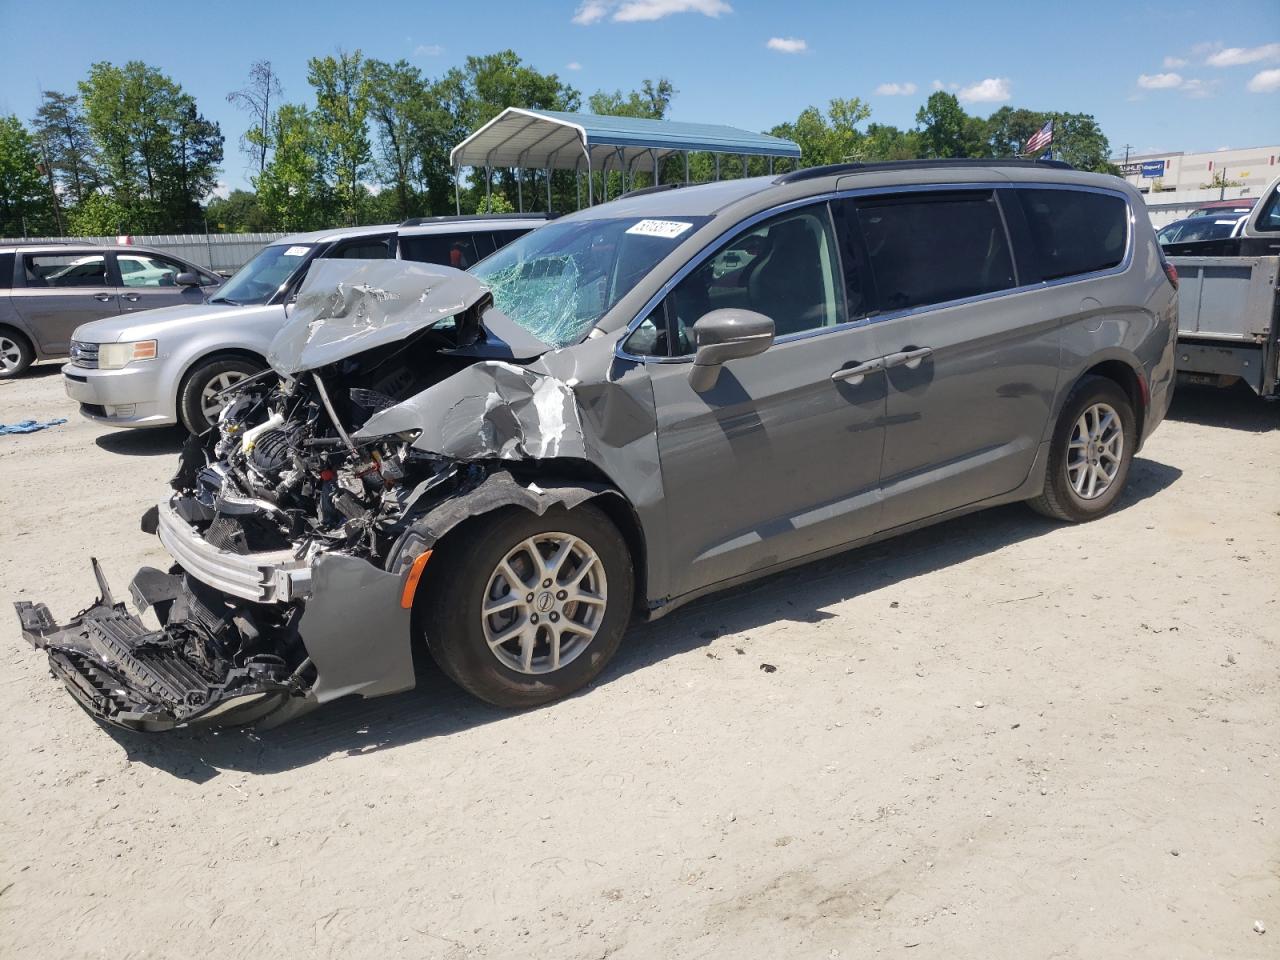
pixel 149 323
pixel 346 307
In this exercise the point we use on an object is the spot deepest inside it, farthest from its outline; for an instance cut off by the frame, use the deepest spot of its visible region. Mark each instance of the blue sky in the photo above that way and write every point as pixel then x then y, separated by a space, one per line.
pixel 1174 75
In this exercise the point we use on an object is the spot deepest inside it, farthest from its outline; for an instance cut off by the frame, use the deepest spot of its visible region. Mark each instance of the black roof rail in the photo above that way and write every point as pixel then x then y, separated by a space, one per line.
pixel 659 188
pixel 813 173
pixel 471 217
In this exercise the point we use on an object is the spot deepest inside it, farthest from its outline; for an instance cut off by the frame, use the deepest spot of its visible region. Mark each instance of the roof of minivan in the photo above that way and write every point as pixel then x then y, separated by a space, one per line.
pixel 706 199
pixel 77 246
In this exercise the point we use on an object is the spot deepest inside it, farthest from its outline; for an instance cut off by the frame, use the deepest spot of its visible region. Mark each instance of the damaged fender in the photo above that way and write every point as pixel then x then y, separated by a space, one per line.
pixel 355 631
pixel 498 490
pixel 492 410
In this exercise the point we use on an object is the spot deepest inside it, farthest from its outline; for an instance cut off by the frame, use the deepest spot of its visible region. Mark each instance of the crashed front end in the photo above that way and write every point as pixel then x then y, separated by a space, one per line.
pixel 299 526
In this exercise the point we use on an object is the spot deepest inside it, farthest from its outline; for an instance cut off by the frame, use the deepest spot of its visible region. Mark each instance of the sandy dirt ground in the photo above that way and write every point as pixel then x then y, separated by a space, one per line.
pixel 1000 737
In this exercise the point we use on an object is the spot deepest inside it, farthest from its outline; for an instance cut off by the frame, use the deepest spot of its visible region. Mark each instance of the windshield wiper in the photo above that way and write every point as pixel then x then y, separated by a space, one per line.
pixel 234 303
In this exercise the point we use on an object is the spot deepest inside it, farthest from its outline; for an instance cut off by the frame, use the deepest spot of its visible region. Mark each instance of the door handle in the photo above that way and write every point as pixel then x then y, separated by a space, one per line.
pixel 131 297
pixel 855 375
pixel 103 297
pixel 908 358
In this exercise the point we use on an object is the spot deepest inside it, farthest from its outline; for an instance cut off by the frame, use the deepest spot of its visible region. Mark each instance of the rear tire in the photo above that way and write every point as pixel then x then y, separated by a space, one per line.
pixel 16 353
pixel 465 574
pixel 195 401
pixel 1090 453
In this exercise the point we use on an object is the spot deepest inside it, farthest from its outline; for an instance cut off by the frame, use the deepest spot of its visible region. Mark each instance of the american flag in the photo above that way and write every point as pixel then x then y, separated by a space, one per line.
pixel 1042 138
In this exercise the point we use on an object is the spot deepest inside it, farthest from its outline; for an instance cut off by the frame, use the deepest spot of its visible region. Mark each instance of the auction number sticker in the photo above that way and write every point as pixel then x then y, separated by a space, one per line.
pixel 297 251
pixel 667 229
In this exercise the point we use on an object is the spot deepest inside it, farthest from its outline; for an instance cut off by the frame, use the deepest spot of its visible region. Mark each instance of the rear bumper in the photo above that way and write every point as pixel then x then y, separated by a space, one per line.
pixel 135 396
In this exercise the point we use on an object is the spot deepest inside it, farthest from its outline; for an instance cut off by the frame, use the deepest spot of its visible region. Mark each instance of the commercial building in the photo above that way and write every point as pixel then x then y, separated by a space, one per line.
pixel 1176 183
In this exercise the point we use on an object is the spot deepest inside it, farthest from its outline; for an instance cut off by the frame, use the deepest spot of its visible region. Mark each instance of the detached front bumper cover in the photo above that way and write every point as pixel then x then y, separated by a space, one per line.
pixel 129 676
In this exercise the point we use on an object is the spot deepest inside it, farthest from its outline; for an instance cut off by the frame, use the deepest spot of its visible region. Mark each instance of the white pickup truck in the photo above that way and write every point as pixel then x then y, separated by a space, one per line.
pixel 1229 303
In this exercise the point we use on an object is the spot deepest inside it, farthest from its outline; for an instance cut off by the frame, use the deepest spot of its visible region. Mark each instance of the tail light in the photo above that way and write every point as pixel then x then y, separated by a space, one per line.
pixel 1170 270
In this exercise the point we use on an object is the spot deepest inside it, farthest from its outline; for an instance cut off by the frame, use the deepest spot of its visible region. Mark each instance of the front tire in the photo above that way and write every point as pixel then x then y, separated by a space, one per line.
pixel 1090 453
pixel 197 404
pixel 521 610
pixel 16 354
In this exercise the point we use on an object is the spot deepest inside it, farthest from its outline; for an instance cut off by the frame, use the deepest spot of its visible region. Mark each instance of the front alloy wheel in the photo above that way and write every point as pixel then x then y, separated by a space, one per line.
pixel 544 603
pixel 521 609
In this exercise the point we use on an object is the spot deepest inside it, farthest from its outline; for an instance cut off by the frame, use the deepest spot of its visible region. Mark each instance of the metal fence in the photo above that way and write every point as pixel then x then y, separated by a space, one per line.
pixel 221 252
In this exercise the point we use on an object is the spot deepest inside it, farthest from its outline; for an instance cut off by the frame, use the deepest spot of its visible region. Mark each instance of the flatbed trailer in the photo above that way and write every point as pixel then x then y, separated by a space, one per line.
pixel 1229 320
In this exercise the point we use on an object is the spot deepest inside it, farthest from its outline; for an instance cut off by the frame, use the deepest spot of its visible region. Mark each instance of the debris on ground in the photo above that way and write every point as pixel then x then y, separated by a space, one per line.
pixel 30 426
pixel 768 667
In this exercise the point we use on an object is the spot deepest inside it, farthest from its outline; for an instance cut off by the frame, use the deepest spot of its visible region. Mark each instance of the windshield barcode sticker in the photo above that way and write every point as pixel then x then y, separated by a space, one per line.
pixel 297 251
pixel 667 229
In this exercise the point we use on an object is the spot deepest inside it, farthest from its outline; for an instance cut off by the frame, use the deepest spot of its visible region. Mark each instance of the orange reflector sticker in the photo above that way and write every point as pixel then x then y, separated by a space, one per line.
pixel 415 574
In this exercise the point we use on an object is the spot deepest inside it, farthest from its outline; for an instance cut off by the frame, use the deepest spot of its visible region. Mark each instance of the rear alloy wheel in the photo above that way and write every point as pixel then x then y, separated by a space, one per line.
pixel 15 354
pixel 200 401
pixel 1090 453
pixel 521 610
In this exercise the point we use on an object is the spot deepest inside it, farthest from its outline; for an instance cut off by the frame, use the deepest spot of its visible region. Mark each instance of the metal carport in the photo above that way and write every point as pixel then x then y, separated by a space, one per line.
pixel 551 140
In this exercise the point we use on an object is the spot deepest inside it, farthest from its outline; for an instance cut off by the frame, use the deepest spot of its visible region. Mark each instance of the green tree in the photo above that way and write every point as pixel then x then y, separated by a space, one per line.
pixel 887 142
pixel 945 130
pixel 342 90
pixel 650 101
pixel 832 137
pixel 160 157
pixel 494 203
pixel 97 215
pixel 63 135
pixel 292 191
pixel 26 205
pixel 238 212
pixel 259 98
pixel 1079 141
pixel 397 103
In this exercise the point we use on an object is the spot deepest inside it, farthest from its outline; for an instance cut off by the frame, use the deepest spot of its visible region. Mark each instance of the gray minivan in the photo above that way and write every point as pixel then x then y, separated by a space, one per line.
pixel 49 289
pixel 638 404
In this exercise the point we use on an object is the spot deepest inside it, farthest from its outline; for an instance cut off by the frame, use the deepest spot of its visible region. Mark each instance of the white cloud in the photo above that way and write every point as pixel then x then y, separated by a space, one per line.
pixel 221 189
pixel 428 50
pixel 787 44
pixel 990 90
pixel 938 85
pixel 1238 56
pixel 896 89
pixel 634 11
pixel 1172 63
pixel 1265 81
pixel 590 12
pixel 1191 86
pixel 573 65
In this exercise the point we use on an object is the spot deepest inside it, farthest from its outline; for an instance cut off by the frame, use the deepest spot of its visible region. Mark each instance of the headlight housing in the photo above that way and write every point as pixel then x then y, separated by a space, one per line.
pixel 114 356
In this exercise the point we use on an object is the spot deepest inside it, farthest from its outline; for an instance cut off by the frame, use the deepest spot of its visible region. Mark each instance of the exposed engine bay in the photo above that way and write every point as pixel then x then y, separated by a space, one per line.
pixel 297 524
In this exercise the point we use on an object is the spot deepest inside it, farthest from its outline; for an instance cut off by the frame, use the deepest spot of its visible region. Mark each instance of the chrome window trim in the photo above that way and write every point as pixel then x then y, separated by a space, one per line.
pixel 693 263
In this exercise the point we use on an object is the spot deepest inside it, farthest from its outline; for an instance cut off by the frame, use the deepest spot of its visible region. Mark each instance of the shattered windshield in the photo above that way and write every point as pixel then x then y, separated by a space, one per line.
pixel 558 281
pixel 259 279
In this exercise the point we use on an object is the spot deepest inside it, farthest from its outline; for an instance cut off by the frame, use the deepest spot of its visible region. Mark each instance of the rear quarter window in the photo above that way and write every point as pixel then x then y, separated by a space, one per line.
pixel 1075 232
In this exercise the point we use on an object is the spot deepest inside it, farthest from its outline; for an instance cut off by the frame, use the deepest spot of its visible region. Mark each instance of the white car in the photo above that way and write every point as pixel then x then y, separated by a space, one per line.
pixel 172 365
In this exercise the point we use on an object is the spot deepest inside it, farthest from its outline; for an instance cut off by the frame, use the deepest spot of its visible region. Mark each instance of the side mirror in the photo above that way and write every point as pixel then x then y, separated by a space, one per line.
pixel 724 335
pixel 187 279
